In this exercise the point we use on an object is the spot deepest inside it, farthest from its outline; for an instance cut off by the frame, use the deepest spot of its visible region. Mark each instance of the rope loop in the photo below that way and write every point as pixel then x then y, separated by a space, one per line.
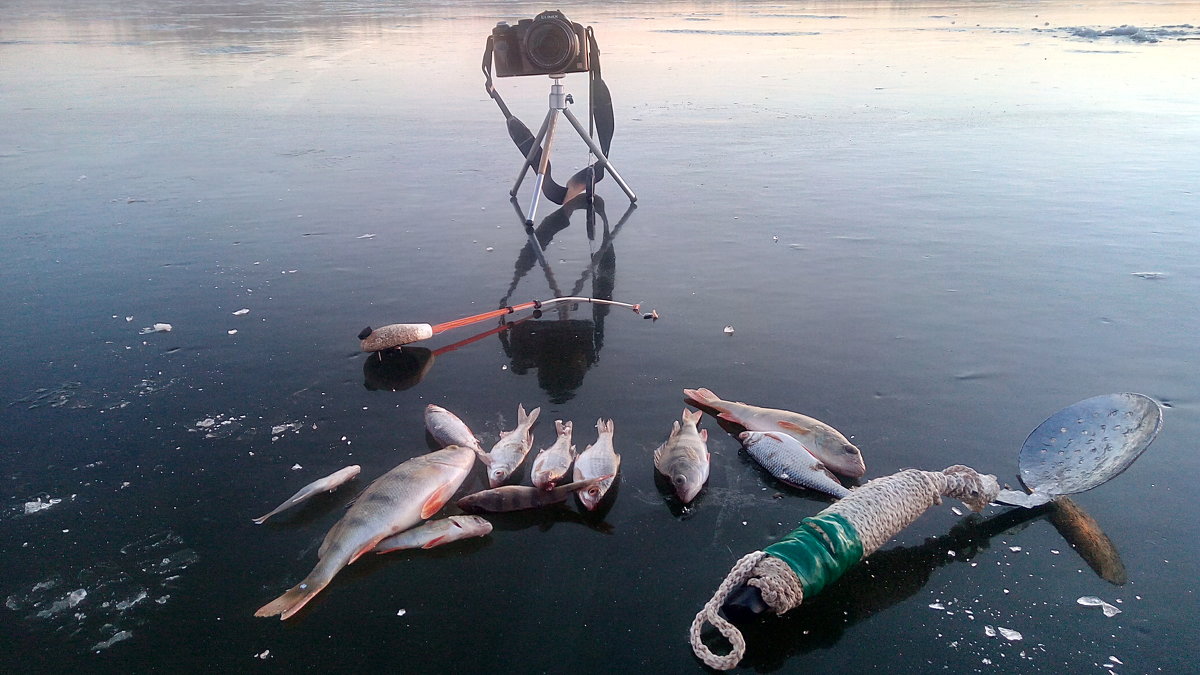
pixel 737 576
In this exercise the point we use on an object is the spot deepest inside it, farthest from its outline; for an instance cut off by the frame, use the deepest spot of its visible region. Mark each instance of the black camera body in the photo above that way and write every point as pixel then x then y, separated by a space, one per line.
pixel 547 44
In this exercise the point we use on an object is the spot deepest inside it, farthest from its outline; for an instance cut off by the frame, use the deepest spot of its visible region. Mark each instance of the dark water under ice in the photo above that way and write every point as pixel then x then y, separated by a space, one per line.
pixel 928 224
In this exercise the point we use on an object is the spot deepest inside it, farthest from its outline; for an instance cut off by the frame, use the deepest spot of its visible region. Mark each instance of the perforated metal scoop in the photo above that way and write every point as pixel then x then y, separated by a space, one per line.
pixel 1084 445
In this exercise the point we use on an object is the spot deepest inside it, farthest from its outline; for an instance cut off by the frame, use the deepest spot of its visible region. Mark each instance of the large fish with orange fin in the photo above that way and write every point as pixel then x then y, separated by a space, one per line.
pixel 394 502
pixel 827 444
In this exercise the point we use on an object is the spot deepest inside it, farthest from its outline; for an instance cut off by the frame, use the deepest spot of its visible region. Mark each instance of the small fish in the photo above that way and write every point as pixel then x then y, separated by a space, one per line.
pixel 394 502
pixel 518 497
pixel 447 429
pixel 436 533
pixel 327 484
pixel 552 463
pixel 508 453
pixel 826 443
pixel 790 461
pixel 596 460
pixel 684 458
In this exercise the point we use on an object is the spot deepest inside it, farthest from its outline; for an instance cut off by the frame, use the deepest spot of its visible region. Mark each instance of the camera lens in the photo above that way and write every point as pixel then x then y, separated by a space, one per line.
pixel 551 45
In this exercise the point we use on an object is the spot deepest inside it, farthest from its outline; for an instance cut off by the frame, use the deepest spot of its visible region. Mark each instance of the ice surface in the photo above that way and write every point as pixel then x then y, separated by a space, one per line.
pixel 113 590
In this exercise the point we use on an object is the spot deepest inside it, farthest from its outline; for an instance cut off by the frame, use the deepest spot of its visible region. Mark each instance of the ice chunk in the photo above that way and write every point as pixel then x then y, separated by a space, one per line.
pixel 1015 549
pixel 1093 601
pixel 126 604
pixel 241 311
pixel 123 635
pixel 206 423
pixel 729 330
pixel 39 505
pixel 989 631
pixel 1009 634
pixel 156 328
pixel 937 605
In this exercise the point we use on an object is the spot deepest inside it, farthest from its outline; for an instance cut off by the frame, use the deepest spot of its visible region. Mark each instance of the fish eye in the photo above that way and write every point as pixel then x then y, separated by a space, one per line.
pixel 680 480
pixel 593 491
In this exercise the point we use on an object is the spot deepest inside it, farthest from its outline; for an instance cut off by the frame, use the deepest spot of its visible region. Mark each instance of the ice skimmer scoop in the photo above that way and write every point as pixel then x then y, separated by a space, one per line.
pixel 1084 445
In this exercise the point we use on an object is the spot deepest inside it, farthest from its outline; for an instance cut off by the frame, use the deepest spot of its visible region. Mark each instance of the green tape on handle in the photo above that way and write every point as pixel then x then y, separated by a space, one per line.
pixel 819 551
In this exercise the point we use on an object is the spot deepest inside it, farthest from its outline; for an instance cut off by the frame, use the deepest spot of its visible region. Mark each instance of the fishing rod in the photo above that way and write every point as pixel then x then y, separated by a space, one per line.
pixel 398 334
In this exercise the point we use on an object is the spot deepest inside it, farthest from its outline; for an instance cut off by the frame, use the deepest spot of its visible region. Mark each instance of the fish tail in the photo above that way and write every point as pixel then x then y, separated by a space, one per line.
pixel 562 427
pixel 701 398
pixel 298 596
pixel 604 426
pixel 262 519
pixel 527 419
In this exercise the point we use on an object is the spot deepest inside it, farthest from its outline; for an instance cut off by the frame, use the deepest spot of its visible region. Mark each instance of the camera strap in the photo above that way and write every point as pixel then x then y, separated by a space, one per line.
pixel 600 116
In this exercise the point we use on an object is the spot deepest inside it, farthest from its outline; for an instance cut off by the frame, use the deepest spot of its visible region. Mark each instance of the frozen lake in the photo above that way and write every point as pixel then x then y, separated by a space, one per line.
pixel 928 224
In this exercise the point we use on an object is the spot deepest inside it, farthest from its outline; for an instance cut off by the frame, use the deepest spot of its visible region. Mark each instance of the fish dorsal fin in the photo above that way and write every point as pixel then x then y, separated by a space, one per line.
pixel 792 426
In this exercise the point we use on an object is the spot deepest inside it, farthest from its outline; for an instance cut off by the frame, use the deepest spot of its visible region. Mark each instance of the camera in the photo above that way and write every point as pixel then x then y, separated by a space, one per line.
pixel 547 44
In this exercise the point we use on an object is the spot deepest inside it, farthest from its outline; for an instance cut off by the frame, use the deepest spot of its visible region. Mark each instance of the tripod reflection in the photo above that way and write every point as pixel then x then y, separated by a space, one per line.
pixel 561 350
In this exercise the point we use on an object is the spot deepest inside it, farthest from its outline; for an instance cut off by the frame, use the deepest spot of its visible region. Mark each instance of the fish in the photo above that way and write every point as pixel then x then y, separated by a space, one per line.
pixel 790 461
pixel 396 501
pixel 436 533
pixel 327 484
pixel 552 463
pixel 518 497
pixel 684 458
pixel 447 429
pixel 597 459
pixel 508 453
pixel 837 453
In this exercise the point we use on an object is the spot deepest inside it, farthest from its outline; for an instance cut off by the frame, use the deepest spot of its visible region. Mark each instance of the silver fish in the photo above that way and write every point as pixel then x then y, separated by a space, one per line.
pixel 394 502
pixel 552 463
pixel 327 484
pixel 596 460
pixel 790 461
pixel 684 458
pixel 518 497
pixel 508 453
pixel 822 440
pixel 447 429
pixel 436 533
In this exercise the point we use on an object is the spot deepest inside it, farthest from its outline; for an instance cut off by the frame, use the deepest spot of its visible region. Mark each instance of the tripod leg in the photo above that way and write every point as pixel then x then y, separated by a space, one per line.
pixel 537 143
pixel 599 154
pixel 551 118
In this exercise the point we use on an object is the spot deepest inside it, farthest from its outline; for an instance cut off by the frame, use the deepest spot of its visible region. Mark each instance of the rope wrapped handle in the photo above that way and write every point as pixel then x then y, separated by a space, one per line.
pixel 818 551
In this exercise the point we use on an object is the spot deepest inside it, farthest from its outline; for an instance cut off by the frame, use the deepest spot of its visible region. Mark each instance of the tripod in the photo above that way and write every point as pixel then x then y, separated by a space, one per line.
pixel 558 104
